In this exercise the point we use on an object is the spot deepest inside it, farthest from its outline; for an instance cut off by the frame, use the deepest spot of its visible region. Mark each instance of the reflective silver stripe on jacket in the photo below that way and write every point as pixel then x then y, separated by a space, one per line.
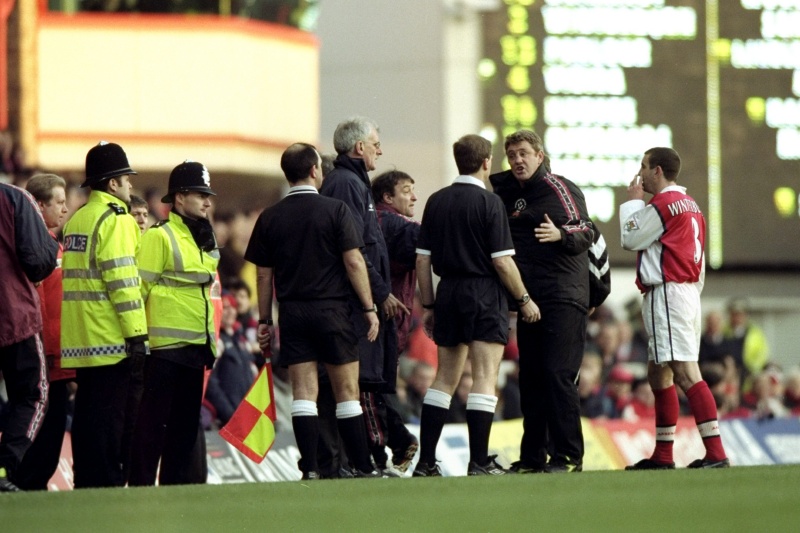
pixel 84 296
pixel 82 274
pixel 177 260
pixel 118 262
pixel 176 333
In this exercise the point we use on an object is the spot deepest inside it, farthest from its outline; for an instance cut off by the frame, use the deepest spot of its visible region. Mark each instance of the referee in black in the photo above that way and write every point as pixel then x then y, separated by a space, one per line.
pixel 309 245
pixel 466 239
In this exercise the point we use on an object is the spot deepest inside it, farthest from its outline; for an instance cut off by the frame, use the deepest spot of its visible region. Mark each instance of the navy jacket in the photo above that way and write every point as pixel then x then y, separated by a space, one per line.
pixel 349 182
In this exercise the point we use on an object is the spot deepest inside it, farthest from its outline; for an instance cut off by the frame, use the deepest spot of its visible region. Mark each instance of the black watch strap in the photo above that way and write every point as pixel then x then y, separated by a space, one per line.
pixel 373 309
pixel 265 321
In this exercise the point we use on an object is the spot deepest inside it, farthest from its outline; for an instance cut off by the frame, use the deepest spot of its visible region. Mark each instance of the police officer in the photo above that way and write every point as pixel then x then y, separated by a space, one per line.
pixel 178 264
pixel 103 326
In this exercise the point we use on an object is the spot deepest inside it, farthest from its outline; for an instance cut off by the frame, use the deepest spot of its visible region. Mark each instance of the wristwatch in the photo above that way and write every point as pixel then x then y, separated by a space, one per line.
pixel 266 321
pixel 373 309
pixel 525 299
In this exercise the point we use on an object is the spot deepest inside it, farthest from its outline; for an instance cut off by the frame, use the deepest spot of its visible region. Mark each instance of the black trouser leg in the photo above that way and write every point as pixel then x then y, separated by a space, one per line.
pixel 98 425
pixel 41 459
pixel 178 459
pixel 25 375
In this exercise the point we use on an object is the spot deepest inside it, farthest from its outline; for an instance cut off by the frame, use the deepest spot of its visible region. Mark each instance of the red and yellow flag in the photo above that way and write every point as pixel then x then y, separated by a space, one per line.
pixel 251 429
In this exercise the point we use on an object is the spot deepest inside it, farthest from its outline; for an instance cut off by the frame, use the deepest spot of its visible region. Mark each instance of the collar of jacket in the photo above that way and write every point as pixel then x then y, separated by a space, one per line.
pixel 201 230
pixel 356 166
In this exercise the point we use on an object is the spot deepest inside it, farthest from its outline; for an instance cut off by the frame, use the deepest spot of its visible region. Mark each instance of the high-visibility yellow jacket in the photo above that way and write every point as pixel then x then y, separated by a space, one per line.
pixel 102 302
pixel 177 277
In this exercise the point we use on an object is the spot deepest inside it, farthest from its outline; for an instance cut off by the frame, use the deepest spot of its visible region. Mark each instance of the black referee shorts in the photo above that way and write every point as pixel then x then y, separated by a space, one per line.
pixel 470 309
pixel 317 331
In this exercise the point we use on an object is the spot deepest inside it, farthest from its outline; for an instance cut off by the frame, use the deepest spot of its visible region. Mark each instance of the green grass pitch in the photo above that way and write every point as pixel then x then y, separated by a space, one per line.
pixel 746 499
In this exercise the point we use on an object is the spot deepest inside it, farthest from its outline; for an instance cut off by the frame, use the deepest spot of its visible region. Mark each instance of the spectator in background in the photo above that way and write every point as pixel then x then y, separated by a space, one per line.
pixel 642 404
pixel 594 401
pixel 724 385
pixel 713 345
pixel 419 381
pixel 618 388
pixel 234 370
pixel 607 343
pixel 28 254
pixel 632 348
pixel 140 212
pixel 791 398
pixel 746 342
pixel 246 315
pixel 41 460
pixel 768 393
pixel 327 163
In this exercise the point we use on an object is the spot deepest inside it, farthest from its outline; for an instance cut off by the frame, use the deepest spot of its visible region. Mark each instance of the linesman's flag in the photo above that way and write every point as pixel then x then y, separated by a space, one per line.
pixel 251 429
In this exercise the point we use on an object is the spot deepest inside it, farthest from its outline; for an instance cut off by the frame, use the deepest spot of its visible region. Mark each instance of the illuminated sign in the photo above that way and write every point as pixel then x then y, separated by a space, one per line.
pixel 604 80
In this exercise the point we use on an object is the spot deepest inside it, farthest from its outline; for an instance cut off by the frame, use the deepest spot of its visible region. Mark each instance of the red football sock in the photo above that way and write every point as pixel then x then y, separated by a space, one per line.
pixel 667 411
pixel 701 402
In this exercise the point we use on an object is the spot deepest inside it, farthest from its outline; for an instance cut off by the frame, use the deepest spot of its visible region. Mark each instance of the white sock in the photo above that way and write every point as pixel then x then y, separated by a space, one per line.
pixel 437 398
pixel 304 408
pixel 481 402
pixel 348 409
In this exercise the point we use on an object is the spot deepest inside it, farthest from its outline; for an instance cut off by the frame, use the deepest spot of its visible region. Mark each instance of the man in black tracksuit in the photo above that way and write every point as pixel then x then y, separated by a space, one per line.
pixel 358 146
pixel 552 232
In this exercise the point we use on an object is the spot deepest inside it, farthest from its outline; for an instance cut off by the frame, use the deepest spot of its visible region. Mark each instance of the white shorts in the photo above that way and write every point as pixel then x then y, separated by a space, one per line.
pixel 671 314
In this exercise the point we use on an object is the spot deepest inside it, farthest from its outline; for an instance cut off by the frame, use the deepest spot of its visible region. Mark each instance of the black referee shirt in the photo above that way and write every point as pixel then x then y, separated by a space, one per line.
pixel 302 238
pixel 464 227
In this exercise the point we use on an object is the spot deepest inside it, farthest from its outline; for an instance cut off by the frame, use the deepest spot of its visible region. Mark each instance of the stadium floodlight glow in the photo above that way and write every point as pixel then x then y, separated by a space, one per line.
pixel 782 112
pixel 605 142
pixel 657 23
pixel 769 5
pixel 765 53
pixel 576 79
pixel 783 24
pixel 590 110
pixel 598 52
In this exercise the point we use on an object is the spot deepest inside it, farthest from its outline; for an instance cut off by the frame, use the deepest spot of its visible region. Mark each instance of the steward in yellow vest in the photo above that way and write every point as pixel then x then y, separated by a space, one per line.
pixel 178 264
pixel 103 326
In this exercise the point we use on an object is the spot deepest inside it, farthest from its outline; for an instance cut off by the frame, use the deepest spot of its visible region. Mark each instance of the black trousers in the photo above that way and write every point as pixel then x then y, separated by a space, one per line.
pixel 41 459
pixel 25 374
pixel 550 354
pixel 105 406
pixel 385 426
pixel 166 429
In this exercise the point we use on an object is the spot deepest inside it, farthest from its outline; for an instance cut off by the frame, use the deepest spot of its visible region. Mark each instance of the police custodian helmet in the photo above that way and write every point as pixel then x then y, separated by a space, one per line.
pixel 104 161
pixel 189 176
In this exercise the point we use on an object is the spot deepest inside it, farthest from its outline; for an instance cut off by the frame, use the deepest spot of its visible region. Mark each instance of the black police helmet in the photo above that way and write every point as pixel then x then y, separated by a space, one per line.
pixel 188 176
pixel 104 161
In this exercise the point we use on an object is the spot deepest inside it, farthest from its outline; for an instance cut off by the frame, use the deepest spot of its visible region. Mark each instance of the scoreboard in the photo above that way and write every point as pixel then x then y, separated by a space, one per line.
pixel 604 80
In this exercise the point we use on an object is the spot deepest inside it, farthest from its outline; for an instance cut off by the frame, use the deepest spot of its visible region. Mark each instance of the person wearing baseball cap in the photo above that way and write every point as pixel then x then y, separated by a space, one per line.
pixel 103 325
pixel 178 264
